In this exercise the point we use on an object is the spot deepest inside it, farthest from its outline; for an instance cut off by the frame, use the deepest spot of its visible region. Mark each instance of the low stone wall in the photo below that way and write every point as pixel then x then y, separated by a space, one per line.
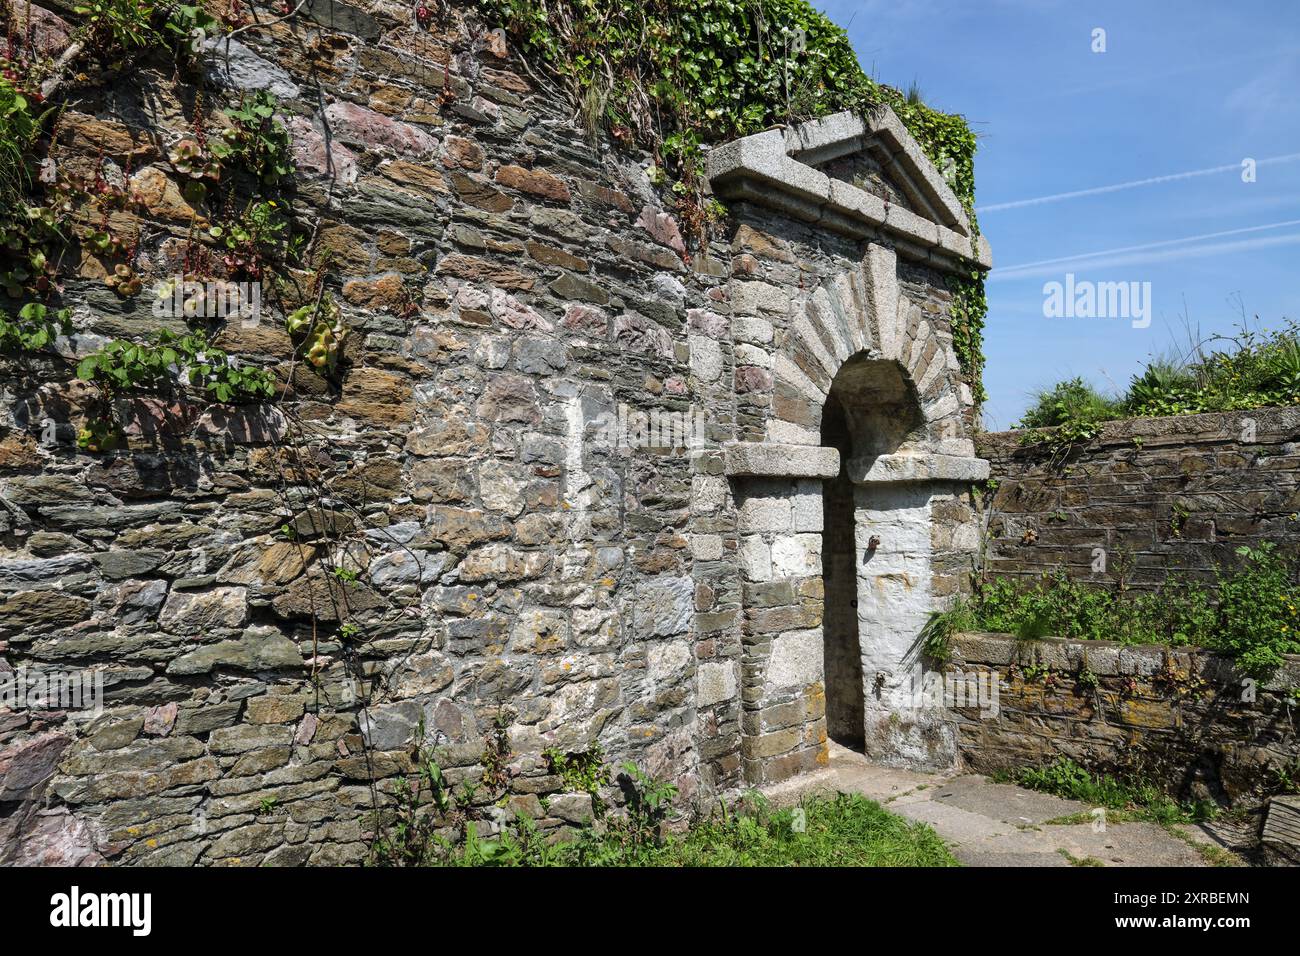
pixel 1160 494
pixel 1182 717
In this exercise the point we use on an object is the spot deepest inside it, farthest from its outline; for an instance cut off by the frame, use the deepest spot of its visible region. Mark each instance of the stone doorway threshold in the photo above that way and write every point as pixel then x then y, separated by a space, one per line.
pixel 999 824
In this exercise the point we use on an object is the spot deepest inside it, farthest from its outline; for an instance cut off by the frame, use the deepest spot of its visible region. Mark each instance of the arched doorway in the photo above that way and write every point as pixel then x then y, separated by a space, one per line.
pixel 841 652
pixel 850 524
pixel 871 410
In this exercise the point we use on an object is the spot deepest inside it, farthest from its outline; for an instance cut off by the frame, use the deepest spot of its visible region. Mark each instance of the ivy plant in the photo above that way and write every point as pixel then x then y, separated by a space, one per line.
pixel 173 360
pixel 676 75
pixel 35 327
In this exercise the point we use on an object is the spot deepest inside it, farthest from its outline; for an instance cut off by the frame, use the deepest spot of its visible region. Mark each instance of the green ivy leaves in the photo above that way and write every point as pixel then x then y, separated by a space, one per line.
pixel 170 360
pixel 35 327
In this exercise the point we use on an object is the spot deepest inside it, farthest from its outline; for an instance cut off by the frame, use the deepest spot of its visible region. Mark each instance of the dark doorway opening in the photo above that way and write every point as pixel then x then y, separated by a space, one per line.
pixel 841 651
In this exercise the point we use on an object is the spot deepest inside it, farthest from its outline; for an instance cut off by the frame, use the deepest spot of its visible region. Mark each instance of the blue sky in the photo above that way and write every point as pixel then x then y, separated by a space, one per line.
pixel 1182 87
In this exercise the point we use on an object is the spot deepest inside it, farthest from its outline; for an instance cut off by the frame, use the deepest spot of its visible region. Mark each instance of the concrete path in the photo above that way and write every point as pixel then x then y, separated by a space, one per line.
pixel 999 824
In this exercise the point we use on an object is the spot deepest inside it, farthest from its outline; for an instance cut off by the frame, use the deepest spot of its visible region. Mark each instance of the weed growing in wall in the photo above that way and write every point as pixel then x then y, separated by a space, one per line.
pixel 1127 798
pixel 1247 370
pixel 435 823
pixel 1253 618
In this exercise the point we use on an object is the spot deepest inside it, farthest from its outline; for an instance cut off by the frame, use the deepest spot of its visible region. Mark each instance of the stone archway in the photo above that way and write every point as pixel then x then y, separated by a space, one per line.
pixel 841 307
pixel 872 544
pixel 870 387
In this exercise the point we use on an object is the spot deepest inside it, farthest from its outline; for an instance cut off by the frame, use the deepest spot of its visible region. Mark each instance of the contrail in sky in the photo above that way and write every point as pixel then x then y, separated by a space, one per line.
pixel 1133 184
pixel 1048 266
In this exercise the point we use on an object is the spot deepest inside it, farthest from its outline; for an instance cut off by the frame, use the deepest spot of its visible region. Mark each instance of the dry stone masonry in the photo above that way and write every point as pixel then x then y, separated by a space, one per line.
pixel 1148 499
pixel 1184 718
pixel 1167 495
pixel 579 480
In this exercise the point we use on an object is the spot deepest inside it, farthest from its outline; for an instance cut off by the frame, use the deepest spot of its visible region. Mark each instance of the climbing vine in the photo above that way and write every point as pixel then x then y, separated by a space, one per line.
pixel 967 313
pixel 672 76
pixel 231 238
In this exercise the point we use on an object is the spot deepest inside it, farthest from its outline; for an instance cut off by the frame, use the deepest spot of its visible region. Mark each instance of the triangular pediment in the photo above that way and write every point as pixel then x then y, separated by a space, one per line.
pixel 859 175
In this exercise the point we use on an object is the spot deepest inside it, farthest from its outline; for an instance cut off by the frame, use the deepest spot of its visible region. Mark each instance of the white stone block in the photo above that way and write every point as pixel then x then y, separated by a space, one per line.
pixel 706 358
pixel 753 355
pixel 708 493
pixel 757 331
pixel 706 547
pixel 774 460
pixel 796 555
pixel 796 659
pixel 755 558
pixel 669 661
pixel 751 298
pixel 806 509
pixel 715 681
pixel 946 404
pixel 788 433
pixel 764 513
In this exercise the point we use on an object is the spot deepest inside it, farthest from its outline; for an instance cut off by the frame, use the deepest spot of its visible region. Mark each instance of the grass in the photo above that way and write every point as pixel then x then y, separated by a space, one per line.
pixel 1124 799
pixel 1080 860
pixel 848 830
pixel 845 830
pixel 1211 854
pixel 1072 400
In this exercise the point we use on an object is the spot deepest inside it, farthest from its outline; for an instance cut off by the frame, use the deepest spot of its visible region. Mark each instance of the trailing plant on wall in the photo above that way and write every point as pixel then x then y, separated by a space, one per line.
pixel 255 140
pixel 967 313
pixel 237 174
pixel 34 328
pixel 675 75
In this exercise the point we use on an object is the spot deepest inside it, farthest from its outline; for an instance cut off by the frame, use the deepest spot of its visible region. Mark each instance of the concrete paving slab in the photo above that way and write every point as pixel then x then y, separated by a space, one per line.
pixel 996 824
pixel 953 823
pixel 1004 801
pixel 1124 844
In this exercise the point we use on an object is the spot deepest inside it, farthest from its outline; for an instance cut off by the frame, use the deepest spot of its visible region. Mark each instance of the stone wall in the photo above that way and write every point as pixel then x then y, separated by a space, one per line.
pixel 1160 494
pixel 479 521
pixel 511 555
pixel 1183 717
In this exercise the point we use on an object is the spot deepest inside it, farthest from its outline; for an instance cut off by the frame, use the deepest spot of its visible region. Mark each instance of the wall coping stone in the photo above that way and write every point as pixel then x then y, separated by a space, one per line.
pixel 774 169
pixel 1270 424
pixel 1107 658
